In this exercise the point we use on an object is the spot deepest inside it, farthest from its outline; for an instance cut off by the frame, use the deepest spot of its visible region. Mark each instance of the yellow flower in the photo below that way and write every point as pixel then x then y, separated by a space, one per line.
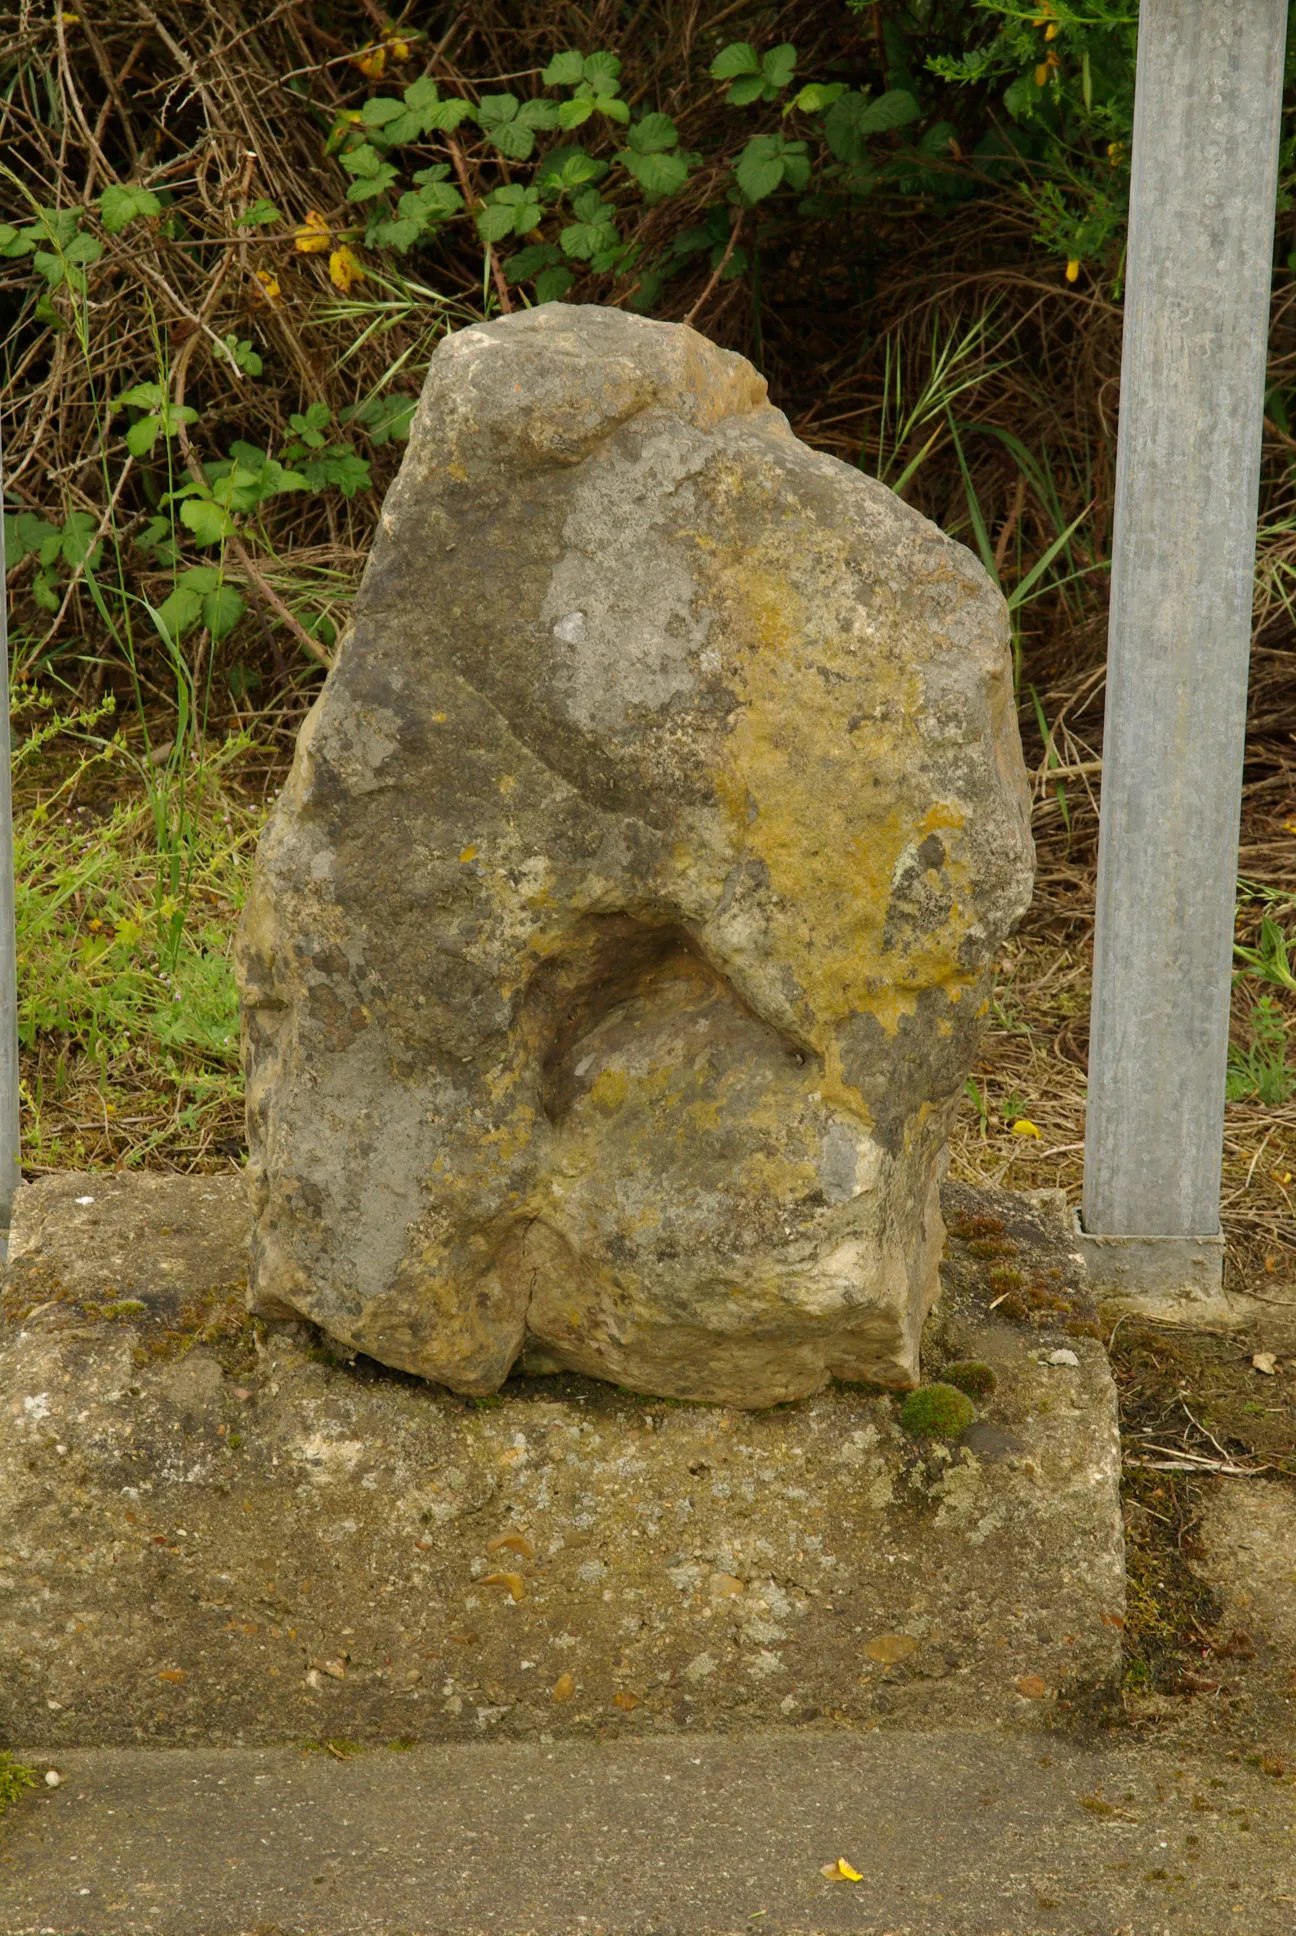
pixel 1025 1127
pixel 268 284
pixel 396 44
pixel 313 237
pixel 1073 268
pixel 1052 31
pixel 371 61
pixel 344 269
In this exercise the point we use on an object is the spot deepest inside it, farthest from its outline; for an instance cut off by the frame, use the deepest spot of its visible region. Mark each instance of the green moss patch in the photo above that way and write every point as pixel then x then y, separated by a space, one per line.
pixel 970 1375
pixel 937 1412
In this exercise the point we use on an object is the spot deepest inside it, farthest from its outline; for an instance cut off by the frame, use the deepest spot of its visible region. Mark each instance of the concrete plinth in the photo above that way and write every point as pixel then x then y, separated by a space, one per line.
pixel 214 1530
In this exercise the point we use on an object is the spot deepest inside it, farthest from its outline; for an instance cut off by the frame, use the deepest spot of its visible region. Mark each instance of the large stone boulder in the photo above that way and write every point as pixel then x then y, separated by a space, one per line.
pixel 619 944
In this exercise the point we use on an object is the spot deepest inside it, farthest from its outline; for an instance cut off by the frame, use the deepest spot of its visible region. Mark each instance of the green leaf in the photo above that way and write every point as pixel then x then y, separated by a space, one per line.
pixel 528 262
pixel 26 534
pixel 1020 97
pixel 156 539
pixel 656 174
pixel 564 70
pixel 538 114
pixel 247 358
pixel 564 169
pixel 779 65
pixel 365 191
pixel 58 225
pixel 121 204
pixel 653 135
pixel 895 109
pixel 338 468
pixel 78 531
pixel 430 205
pixel 259 215
pixel 49 266
pixel 934 142
pixel 495 110
pixel 552 284
pixel 614 110
pixel 739 57
pixel 144 396
pixel 364 161
pixel 83 249
pixel 601 70
pixel 177 613
pixel 816 96
pixel 594 229
pixel 382 108
pixel 399 232
pixel 206 519
pixel 494 222
pixel 573 113
pixel 384 417
pixel 512 210
pixel 141 436
pixel 44 593
pixel 164 419
pixel 749 88
pixel 767 161
pixel 446 116
pixel 499 116
pixel 222 609
pixel 852 118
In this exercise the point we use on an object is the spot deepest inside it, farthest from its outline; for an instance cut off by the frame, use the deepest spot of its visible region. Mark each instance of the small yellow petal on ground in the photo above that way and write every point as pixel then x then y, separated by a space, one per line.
pixel 313 237
pixel 344 269
pixel 1025 1127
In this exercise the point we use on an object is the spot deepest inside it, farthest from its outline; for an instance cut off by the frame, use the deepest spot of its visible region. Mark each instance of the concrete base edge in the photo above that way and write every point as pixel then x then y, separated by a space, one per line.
pixel 1179 1280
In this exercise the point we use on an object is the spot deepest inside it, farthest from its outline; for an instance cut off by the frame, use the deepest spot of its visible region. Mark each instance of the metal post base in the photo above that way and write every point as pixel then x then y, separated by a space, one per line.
pixel 1177 1279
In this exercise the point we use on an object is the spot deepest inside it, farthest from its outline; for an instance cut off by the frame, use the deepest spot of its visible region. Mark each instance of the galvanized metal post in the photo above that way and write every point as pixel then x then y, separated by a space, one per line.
pixel 1205 158
pixel 9 1121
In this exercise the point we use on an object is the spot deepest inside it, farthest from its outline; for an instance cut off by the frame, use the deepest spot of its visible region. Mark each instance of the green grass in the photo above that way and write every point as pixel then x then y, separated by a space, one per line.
pixel 128 1014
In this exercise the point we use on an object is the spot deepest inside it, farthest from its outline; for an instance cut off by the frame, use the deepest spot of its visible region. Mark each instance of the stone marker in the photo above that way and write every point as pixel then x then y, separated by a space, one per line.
pixel 620 940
